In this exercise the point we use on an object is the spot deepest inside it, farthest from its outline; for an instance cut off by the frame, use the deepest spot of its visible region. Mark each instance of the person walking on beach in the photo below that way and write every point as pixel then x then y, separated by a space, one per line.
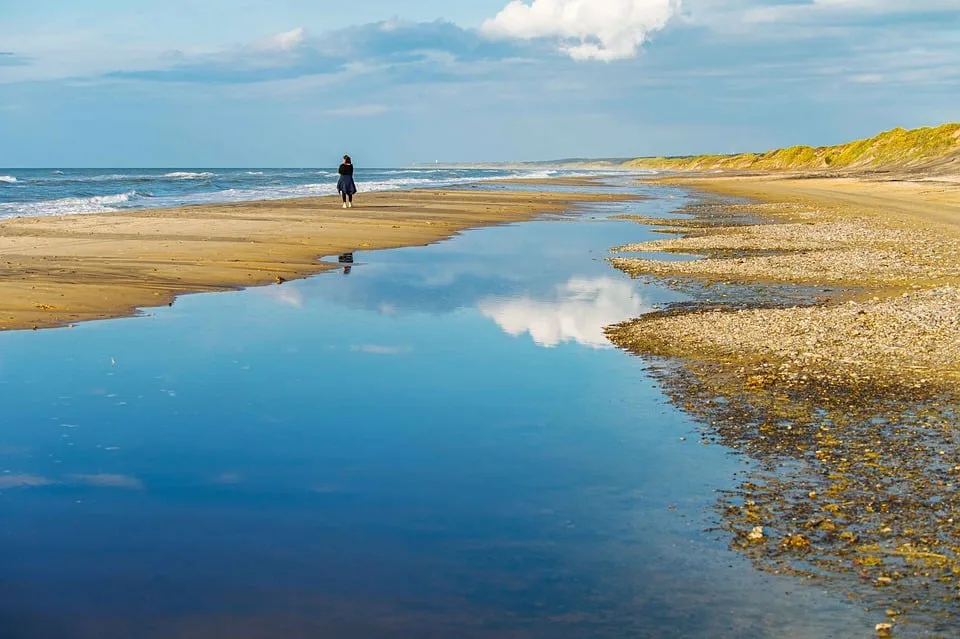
pixel 345 185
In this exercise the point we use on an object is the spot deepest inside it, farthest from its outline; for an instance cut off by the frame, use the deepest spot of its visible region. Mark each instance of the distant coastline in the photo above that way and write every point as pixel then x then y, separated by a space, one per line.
pixel 586 164
pixel 928 150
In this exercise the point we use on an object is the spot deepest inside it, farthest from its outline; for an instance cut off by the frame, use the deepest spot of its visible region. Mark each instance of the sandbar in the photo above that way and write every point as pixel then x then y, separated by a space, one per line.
pixel 56 271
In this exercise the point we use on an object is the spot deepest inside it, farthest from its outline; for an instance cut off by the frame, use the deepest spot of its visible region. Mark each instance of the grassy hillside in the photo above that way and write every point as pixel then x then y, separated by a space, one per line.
pixel 896 149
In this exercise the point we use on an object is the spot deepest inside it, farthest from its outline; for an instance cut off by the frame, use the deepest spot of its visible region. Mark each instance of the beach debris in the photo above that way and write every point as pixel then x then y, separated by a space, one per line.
pixel 796 542
pixel 884 629
pixel 756 535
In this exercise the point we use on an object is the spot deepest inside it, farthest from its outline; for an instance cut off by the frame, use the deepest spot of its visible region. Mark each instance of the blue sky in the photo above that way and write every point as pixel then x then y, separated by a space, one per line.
pixel 299 82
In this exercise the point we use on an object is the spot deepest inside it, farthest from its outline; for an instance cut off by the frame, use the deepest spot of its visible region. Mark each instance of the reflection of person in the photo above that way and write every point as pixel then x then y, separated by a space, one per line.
pixel 345 185
pixel 347 260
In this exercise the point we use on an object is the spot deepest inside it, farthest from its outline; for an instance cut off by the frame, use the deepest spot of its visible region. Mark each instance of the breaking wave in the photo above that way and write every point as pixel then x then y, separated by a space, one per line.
pixel 69 205
pixel 188 175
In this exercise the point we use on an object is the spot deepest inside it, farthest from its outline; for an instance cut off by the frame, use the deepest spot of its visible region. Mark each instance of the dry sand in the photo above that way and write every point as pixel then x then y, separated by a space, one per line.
pixel 933 202
pixel 59 270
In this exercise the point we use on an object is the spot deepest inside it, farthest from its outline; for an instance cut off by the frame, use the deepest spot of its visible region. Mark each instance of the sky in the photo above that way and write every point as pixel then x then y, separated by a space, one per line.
pixel 297 83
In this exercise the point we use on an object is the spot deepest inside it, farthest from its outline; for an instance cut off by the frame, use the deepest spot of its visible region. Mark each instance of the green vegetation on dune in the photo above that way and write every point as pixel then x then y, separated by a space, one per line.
pixel 898 148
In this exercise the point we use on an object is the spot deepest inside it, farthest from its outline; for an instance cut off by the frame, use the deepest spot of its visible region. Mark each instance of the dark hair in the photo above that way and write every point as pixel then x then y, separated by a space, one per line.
pixel 346 159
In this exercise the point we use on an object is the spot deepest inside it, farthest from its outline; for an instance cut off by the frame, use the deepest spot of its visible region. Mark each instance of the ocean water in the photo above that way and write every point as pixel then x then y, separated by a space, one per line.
pixel 37 192
pixel 427 442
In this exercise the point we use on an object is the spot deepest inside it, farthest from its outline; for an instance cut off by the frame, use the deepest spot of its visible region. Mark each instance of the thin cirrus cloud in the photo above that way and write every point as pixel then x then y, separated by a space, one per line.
pixel 603 30
pixel 359 111
pixel 23 481
pixel 377 349
pixel 10 59
pixel 106 480
pixel 285 295
pixel 102 480
pixel 846 10
pixel 293 54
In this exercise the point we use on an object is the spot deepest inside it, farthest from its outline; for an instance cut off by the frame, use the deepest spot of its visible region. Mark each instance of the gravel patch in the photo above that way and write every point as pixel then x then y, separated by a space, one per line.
pixel 905 330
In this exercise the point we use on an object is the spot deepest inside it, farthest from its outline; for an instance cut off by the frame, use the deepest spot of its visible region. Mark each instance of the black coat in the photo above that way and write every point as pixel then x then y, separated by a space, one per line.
pixel 345 184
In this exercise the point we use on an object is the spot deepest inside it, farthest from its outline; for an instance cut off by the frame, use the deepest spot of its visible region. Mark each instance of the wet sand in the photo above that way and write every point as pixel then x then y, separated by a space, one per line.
pixel 579 182
pixel 59 270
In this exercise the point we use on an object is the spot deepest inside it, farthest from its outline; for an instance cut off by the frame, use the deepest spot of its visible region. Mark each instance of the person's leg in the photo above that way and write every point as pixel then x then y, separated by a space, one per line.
pixel 343 194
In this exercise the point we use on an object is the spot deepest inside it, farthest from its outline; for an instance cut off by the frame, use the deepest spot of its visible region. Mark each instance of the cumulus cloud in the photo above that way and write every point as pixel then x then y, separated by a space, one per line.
pixel 585 29
pixel 578 311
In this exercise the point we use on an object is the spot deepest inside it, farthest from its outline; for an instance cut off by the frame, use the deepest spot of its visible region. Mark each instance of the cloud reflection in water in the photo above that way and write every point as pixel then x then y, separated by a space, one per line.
pixel 577 311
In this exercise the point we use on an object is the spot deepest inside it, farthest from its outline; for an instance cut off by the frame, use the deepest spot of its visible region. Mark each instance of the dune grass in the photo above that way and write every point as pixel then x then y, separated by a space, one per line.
pixel 897 148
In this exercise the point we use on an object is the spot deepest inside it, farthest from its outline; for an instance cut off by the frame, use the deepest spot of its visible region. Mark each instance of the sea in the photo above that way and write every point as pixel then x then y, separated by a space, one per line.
pixel 40 192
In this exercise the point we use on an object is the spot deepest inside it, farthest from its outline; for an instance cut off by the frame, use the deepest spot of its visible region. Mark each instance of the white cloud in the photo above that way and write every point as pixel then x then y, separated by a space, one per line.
pixel 578 312
pixel 286 41
pixel 867 78
pixel 108 481
pixel 817 9
pixel 359 111
pixel 23 481
pixel 287 294
pixel 375 349
pixel 228 479
pixel 586 29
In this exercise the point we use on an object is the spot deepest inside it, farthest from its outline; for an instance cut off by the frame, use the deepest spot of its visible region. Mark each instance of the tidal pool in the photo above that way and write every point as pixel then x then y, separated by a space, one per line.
pixel 427 442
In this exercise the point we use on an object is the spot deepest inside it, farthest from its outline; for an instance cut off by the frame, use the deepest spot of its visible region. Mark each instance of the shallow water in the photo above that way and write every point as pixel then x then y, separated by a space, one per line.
pixel 439 442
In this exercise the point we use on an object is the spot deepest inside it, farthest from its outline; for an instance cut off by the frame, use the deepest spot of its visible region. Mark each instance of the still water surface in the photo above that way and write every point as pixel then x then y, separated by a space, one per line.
pixel 437 443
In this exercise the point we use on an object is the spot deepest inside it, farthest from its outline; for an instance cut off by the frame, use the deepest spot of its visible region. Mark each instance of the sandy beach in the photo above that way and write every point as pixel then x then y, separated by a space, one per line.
pixel 923 202
pixel 65 269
